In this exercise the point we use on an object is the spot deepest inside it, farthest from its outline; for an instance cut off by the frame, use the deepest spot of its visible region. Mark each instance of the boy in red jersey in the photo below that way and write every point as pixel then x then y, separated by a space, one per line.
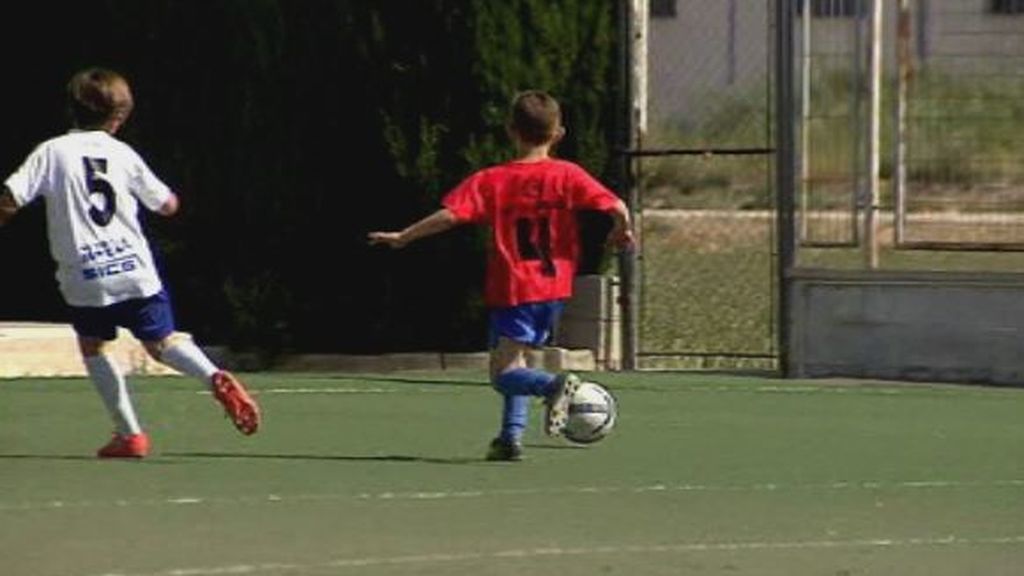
pixel 530 205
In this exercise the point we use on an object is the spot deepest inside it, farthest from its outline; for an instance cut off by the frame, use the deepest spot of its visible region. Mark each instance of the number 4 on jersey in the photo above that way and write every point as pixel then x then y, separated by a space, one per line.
pixel 533 238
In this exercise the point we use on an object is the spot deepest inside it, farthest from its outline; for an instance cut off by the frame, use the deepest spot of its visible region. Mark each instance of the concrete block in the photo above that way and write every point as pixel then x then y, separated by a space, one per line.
pixel 907 325
pixel 591 320
pixel 34 349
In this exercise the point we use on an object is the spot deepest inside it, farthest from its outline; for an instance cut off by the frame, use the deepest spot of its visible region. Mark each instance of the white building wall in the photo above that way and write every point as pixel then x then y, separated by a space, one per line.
pixel 715 46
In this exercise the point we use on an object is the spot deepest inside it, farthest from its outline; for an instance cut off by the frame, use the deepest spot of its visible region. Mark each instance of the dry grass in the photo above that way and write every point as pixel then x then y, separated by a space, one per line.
pixel 709 276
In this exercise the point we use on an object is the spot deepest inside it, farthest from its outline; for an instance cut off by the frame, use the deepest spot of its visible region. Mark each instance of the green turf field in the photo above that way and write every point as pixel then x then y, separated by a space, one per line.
pixel 705 474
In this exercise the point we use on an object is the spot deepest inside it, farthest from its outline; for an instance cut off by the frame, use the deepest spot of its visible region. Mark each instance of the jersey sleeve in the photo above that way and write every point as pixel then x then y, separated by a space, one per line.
pixel 31 178
pixel 467 201
pixel 590 194
pixel 146 186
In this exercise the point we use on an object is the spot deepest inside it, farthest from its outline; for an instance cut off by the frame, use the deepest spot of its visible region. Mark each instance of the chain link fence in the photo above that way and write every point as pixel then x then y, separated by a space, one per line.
pixel 705 177
pixel 909 157
pixel 949 194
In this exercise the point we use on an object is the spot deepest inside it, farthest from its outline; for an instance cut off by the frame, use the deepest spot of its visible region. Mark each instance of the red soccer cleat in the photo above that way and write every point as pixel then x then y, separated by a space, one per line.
pixel 237 403
pixel 125 446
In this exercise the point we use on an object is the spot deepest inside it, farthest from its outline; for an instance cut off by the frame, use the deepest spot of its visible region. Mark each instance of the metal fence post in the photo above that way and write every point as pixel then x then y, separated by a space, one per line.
pixel 785 169
pixel 871 204
pixel 636 78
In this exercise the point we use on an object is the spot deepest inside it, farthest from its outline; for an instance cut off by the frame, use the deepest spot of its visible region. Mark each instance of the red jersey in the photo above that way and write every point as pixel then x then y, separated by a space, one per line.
pixel 530 207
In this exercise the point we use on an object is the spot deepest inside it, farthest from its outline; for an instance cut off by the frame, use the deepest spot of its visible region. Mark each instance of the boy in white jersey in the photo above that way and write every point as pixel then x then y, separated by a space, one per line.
pixel 92 184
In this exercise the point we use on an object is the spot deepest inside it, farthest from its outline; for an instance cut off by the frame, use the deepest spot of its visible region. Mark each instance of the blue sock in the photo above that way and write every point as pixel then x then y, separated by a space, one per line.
pixel 516 387
pixel 514 415
pixel 524 382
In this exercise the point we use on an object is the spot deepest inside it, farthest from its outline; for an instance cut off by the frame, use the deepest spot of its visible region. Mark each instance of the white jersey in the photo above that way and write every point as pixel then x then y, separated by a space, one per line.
pixel 92 184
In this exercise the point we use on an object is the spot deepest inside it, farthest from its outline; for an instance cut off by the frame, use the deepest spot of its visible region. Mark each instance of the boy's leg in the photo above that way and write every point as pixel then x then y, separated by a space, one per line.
pixel 178 351
pixel 111 386
pixel 509 373
pixel 512 380
pixel 151 320
pixel 94 328
pixel 518 385
pixel 514 331
pixel 508 445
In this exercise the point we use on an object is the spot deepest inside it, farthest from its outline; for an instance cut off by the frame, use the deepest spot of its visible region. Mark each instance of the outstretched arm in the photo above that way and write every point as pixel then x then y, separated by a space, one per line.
pixel 8 206
pixel 437 222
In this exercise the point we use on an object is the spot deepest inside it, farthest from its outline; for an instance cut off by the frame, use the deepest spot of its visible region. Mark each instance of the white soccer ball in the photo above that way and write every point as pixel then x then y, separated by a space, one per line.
pixel 592 414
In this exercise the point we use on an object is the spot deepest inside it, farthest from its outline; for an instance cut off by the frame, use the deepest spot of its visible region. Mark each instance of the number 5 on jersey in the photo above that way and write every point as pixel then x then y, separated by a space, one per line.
pixel 95 172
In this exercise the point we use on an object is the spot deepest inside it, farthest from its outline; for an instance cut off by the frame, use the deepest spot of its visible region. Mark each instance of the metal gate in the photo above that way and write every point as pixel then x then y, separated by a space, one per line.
pixel 895 128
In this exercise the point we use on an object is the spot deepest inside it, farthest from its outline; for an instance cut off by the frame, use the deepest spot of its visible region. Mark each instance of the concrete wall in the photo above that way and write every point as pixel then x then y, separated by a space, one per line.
pixel 39 349
pixel 592 322
pixel 919 326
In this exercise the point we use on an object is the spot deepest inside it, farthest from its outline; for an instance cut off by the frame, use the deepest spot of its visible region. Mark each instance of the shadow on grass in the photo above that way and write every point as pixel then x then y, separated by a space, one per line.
pixel 566 446
pixel 240 456
pixel 71 457
pixel 163 457
pixel 401 458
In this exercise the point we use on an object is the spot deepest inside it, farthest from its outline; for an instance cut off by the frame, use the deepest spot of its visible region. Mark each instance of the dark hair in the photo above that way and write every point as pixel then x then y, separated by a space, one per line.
pixel 96 95
pixel 536 116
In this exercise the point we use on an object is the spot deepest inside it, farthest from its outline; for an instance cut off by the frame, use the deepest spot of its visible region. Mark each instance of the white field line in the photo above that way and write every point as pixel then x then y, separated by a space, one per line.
pixel 441 558
pixel 658 489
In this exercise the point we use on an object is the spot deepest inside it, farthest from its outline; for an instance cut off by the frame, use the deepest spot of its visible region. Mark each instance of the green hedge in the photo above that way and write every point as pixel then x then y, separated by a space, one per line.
pixel 293 128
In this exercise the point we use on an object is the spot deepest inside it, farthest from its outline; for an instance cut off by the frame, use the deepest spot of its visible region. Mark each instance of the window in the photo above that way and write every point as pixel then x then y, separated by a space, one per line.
pixel 834 8
pixel 663 8
pixel 1007 6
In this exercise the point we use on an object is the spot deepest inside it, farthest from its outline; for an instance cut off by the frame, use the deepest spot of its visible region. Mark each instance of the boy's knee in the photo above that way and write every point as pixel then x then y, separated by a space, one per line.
pixel 156 348
pixel 496 376
pixel 89 347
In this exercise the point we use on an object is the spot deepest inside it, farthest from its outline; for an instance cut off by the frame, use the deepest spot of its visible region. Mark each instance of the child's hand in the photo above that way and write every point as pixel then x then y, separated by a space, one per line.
pixel 392 239
pixel 621 238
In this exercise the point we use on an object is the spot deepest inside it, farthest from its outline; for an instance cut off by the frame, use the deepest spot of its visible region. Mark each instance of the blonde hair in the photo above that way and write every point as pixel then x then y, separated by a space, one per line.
pixel 97 96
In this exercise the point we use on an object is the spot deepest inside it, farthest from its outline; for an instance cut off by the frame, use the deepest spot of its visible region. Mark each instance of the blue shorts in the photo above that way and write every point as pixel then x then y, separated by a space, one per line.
pixel 149 319
pixel 531 324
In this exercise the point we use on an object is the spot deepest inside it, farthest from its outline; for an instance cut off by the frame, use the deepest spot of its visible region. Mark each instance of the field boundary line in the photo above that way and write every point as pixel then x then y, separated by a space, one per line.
pixel 679 547
pixel 274 499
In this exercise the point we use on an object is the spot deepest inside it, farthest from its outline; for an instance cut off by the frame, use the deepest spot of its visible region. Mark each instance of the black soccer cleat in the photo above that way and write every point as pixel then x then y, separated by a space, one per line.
pixel 504 450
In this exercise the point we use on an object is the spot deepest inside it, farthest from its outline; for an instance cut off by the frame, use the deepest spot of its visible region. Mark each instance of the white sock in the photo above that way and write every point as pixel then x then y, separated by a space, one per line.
pixel 185 357
pixel 110 384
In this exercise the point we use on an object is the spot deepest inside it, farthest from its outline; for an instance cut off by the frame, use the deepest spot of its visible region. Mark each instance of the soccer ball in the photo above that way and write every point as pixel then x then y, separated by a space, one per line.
pixel 592 414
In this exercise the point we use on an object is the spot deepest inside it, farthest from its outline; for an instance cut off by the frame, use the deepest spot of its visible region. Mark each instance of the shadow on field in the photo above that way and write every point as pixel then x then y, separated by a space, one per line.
pixel 566 446
pixel 324 457
pixel 399 458
pixel 48 457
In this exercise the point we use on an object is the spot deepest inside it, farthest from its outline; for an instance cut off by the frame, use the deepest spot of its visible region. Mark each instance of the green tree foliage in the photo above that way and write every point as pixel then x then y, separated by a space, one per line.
pixel 291 129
